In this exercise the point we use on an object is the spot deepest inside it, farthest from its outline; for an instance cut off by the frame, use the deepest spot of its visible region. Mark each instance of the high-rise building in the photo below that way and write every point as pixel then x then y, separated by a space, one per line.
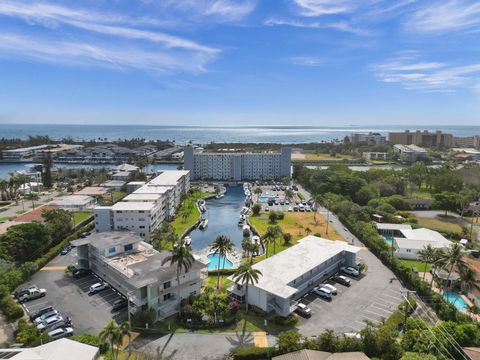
pixel 421 138
pixel 369 138
pixel 238 166
pixel 467 141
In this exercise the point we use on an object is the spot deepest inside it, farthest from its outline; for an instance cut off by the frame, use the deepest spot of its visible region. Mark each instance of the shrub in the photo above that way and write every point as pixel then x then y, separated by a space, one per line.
pixel 289 320
pixel 280 215
pixel 256 208
pixel 10 308
pixel 253 353
pixel 91 340
pixel 287 238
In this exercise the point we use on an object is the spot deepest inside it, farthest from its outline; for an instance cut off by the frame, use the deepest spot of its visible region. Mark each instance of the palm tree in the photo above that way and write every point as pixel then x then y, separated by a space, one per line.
pixel 126 330
pixel 222 246
pixel 426 256
pixel 317 201
pixel 307 230
pixel 271 235
pixel 3 189
pixel 454 257
pixel 258 191
pixel 246 275
pixel 181 256
pixel 438 262
pixel 468 279
pixel 111 334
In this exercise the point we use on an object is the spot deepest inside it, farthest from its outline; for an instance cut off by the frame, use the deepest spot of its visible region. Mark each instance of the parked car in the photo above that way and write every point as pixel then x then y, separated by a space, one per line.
pixel 96 288
pixel 79 273
pixel 66 250
pixel 290 209
pixel 322 292
pixel 54 321
pixel 287 202
pixel 40 312
pixel 23 291
pixel 267 208
pixel 332 288
pixel 343 280
pixel 61 333
pixel 119 304
pixel 45 316
pixel 32 295
pixel 303 310
pixel 308 208
pixel 295 208
pixel 350 271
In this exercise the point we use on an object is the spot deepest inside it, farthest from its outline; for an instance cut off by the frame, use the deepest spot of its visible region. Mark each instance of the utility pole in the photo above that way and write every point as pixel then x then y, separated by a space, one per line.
pixel 406 293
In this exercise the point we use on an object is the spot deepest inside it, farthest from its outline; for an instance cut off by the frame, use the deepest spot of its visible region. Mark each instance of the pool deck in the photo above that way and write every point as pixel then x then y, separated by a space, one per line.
pixel 235 257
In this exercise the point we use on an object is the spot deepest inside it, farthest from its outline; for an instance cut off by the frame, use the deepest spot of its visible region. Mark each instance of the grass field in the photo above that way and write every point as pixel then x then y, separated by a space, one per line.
pixel 79 216
pixel 414 264
pixel 294 223
pixel 440 224
pixel 319 157
pixel 211 281
pixel 180 224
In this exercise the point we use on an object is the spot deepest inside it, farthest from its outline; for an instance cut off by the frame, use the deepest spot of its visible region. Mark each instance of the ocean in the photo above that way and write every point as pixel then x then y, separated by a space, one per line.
pixel 204 135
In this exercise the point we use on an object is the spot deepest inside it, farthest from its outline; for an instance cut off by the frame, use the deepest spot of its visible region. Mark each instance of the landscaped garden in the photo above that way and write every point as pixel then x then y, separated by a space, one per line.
pixel 188 213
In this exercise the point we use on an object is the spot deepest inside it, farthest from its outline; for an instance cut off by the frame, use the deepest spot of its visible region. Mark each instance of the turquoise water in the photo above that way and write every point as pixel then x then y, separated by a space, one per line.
pixel 455 299
pixel 388 239
pixel 216 260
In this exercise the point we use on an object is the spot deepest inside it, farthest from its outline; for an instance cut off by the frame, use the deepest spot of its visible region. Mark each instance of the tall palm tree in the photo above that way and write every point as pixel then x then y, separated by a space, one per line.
pixel 454 257
pixel 181 257
pixel 3 189
pixel 468 278
pixel 317 201
pixel 246 275
pixel 111 334
pixel 439 262
pixel 271 235
pixel 222 246
pixel 125 329
pixel 426 255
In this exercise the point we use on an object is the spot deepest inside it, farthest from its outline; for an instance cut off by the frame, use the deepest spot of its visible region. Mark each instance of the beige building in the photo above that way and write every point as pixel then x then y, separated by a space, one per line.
pixel 467 141
pixel 421 138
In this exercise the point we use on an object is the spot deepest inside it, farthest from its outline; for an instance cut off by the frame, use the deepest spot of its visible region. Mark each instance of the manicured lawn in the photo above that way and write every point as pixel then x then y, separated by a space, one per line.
pixel 421 194
pixel 79 216
pixel 440 224
pixel 180 224
pixel 294 223
pixel 414 264
pixel 212 282
pixel 320 157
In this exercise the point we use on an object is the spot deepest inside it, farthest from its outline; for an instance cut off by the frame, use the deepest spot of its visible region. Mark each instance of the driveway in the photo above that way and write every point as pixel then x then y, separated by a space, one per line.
pixel 70 296
pixel 192 346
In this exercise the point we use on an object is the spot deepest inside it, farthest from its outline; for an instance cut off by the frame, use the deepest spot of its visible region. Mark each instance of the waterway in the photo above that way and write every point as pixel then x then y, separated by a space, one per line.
pixel 7 168
pixel 222 215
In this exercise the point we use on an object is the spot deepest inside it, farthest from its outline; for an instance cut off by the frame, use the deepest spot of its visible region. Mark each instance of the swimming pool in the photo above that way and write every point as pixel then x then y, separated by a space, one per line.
pixel 265 198
pixel 216 261
pixel 456 299
pixel 388 239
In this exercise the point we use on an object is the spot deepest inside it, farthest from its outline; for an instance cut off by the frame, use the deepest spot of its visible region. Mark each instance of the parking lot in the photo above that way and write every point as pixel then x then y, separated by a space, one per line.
pixel 282 204
pixel 370 297
pixel 70 297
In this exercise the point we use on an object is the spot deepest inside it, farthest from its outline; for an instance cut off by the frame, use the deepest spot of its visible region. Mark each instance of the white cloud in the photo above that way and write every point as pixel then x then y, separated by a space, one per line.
pixel 444 16
pixel 307 61
pixel 342 26
pixel 325 7
pixel 212 10
pixel 413 74
pixel 106 40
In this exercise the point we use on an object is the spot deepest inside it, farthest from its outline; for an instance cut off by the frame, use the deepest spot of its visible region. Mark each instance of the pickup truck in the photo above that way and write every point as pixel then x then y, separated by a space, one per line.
pixel 32 295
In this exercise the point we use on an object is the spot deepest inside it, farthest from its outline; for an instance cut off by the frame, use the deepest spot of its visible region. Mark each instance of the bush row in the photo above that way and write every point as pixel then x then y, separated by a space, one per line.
pixel 253 353
pixel 223 272
pixel 17 275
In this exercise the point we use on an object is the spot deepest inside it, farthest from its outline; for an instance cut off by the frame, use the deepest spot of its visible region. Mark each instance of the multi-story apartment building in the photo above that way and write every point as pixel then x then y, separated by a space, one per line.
pixel 137 270
pixel 237 166
pixel 147 207
pixel 421 138
pixel 409 153
pixel 369 138
pixel 467 142
pixel 375 156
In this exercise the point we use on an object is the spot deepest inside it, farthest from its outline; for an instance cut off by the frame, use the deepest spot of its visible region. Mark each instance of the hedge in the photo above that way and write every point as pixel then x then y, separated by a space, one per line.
pixel 253 353
pixel 223 272
pixel 16 276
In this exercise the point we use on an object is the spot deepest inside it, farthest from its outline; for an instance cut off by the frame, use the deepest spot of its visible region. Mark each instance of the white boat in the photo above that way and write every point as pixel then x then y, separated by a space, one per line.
pixel 203 208
pixel 243 217
pixel 219 196
pixel 188 240
pixel 244 210
pixel 203 224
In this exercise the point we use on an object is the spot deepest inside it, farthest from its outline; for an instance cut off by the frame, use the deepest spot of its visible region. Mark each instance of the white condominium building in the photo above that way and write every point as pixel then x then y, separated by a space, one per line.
pixel 237 166
pixel 147 207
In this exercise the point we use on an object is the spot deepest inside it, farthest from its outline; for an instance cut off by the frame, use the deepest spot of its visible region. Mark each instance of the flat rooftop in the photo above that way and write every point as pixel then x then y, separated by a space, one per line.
pixel 72 200
pixel 92 190
pixel 133 206
pixel 281 269
pixel 419 238
pixel 169 177
pixel 152 189
pixel 142 197
pixel 389 226
pixel 105 240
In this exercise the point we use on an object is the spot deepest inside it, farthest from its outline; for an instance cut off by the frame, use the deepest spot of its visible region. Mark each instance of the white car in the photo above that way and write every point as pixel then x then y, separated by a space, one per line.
pixel 32 295
pixel 51 321
pixel 61 333
pixel 290 209
pixel 322 292
pixel 95 288
pixel 350 271
pixel 303 310
pixel 45 316
pixel 332 288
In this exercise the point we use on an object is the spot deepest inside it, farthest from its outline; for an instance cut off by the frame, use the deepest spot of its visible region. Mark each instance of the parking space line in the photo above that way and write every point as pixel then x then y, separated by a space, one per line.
pixel 369 318
pixel 387 306
pixel 375 313
pixel 32 306
pixel 390 296
pixel 383 302
pixel 382 309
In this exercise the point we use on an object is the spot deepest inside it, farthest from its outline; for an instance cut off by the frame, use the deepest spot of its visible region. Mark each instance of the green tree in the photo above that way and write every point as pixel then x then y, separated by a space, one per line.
pixel 112 335
pixel 289 341
pixel 417 356
pixel 426 255
pixel 246 275
pixel 125 329
pixel 454 258
pixel 58 223
pixel 256 208
pixel 47 171
pixel 222 246
pixel 287 238
pixel 270 237
pixel 28 334
pixel 272 217
pixel 181 257
pixel 447 201
pixel 164 237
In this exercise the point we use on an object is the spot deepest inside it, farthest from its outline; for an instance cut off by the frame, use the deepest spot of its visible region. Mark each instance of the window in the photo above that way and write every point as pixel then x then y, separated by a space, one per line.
pixel 128 247
pixel 167 284
pixel 167 296
pixel 409 250
pixel 111 250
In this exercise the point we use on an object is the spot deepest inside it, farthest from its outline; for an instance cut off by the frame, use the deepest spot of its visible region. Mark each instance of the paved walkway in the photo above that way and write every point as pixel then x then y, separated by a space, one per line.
pixel 260 339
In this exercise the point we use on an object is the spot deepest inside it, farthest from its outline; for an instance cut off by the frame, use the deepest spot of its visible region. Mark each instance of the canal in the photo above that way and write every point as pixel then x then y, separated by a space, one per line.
pixel 222 215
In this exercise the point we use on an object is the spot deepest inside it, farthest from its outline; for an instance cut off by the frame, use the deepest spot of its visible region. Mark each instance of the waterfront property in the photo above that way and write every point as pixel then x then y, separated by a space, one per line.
pixel 147 206
pixel 369 138
pixel 412 241
pixel 290 274
pixel 421 138
pixel 136 270
pixel 238 166
pixel 74 202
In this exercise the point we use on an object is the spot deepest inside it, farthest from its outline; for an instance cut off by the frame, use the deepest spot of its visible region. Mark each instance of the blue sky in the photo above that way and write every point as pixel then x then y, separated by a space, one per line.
pixel 234 62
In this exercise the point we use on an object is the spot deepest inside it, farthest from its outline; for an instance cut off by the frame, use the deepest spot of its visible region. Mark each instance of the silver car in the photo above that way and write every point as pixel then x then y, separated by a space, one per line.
pixel 45 316
pixel 61 333
pixel 332 288
pixel 50 322
pixel 322 292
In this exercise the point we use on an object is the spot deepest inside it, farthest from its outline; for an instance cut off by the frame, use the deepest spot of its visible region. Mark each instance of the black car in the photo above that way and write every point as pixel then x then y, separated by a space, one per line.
pixel 41 312
pixel 79 273
pixel 66 250
pixel 119 304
